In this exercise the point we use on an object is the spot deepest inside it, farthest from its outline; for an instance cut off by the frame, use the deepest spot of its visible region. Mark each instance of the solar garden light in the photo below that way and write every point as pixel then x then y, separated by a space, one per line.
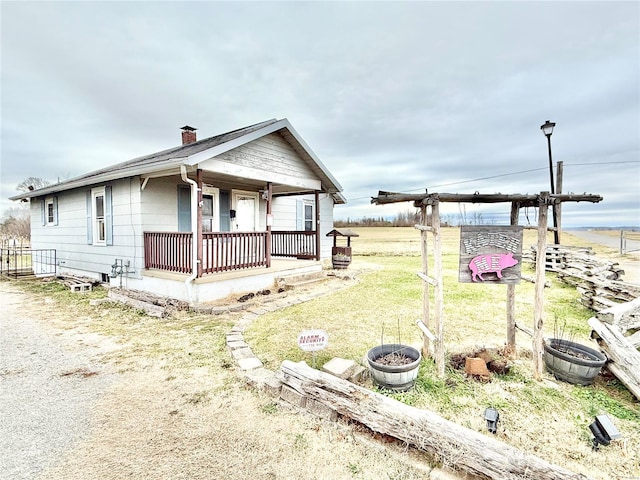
pixel 603 431
pixel 492 416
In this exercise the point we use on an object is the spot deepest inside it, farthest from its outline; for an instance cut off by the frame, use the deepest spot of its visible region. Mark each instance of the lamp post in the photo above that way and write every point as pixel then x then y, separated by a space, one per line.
pixel 547 129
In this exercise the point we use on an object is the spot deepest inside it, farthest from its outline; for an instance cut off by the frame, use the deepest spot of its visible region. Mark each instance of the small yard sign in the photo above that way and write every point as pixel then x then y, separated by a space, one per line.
pixel 313 340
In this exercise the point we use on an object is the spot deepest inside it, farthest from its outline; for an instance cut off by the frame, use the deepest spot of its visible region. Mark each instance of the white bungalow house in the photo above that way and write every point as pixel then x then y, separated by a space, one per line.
pixel 196 222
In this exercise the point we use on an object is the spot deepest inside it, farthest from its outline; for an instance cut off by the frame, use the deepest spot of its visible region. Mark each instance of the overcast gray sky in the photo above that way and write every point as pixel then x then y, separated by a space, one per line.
pixel 390 96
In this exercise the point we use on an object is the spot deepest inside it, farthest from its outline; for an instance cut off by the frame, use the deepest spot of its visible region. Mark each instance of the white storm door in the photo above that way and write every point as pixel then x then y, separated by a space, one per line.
pixel 246 211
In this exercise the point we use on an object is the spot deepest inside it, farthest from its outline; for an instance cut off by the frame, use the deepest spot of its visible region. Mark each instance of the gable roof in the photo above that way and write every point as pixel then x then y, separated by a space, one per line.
pixel 169 161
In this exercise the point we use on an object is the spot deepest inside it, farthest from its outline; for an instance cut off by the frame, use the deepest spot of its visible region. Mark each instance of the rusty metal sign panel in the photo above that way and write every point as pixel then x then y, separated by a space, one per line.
pixel 490 254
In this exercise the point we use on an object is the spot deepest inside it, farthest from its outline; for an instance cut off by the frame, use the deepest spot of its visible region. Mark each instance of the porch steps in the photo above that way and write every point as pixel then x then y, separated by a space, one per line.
pixel 289 282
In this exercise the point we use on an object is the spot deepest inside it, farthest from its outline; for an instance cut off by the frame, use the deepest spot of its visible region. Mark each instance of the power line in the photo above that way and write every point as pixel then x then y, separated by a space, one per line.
pixel 506 175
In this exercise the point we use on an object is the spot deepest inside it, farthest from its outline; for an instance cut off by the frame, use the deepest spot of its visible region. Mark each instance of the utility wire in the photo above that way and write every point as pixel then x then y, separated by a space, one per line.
pixel 504 175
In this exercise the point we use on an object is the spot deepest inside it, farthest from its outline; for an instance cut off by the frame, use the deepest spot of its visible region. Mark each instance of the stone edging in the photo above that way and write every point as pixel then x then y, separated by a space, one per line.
pixel 252 369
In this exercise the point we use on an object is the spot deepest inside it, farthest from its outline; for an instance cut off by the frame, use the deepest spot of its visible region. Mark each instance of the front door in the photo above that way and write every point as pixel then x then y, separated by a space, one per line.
pixel 246 213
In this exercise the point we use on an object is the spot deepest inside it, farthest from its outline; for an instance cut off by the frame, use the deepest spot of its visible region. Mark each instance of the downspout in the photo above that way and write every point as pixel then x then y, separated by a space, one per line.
pixel 194 231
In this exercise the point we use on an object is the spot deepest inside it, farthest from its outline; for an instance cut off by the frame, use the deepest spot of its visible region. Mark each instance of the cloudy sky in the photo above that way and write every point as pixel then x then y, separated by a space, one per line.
pixel 444 96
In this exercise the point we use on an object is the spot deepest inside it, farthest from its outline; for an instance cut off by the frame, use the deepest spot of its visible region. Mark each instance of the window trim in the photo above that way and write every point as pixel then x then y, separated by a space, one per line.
pixel 92 223
pixel 311 220
pixel 95 194
pixel 50 220
pixel 210 191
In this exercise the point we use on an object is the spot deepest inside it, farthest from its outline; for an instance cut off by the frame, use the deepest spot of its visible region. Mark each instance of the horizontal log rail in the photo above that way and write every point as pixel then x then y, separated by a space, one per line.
pixel 223 251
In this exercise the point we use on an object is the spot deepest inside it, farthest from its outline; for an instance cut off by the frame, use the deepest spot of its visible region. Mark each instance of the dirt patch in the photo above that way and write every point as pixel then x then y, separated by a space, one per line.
pixel 394 359
pixel 480 364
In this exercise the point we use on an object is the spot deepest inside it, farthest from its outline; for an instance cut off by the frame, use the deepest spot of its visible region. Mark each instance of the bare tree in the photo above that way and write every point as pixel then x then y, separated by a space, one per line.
pixel 32 183
pixel 16 227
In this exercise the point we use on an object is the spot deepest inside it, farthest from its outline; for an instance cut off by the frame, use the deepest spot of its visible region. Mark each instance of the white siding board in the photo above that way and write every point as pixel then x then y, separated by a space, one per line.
pixel 284 213
pixel 284 217
pixel 69 237
pixel 159 205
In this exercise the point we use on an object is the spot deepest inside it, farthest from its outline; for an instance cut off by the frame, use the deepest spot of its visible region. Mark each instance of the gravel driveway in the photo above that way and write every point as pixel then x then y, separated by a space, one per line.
pixel 47 388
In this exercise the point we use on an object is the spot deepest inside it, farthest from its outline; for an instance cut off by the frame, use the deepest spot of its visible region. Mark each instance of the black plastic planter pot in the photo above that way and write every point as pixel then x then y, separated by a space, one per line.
pixel 399 378
pixel 571 362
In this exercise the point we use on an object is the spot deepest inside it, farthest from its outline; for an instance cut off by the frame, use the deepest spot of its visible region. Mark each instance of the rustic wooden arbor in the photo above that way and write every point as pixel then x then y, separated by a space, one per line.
pixel 435 335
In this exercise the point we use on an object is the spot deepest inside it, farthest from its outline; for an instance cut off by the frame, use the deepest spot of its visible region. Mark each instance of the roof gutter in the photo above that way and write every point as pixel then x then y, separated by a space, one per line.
pixel 169 169
pixel 194 232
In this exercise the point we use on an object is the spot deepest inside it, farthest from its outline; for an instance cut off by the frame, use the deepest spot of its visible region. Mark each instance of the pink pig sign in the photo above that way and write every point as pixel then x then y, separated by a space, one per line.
pixel 490 254
pixel 490 263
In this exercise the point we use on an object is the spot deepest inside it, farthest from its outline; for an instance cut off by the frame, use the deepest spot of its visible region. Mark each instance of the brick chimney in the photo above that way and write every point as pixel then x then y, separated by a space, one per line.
pixel 188 134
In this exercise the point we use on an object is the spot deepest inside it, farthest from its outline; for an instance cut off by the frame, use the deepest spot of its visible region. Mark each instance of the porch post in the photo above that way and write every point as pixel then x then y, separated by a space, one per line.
pixel 317 199
pixel 199 222
pixel 269 222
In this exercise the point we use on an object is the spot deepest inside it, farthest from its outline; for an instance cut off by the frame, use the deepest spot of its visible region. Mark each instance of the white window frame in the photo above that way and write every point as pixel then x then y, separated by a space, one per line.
pixel 50 217
pixel 305 204
pixel 98 221
pixel 215 193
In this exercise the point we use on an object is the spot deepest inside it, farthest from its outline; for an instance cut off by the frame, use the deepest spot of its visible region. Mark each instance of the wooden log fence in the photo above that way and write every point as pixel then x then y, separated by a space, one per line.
pixel 610 330
pixel 451 444
pixel 598 281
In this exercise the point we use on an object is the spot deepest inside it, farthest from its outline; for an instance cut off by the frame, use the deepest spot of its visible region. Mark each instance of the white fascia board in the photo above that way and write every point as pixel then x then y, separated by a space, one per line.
pixel 218 166
pixel 200 157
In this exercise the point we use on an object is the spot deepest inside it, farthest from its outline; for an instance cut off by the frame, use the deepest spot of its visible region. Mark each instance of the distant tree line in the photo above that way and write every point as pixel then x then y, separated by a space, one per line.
pixel 410 218
pixel 407 218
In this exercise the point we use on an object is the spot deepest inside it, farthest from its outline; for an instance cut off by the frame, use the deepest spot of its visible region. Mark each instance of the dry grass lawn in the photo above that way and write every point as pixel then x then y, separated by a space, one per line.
pixel 549 419
pixel 179 410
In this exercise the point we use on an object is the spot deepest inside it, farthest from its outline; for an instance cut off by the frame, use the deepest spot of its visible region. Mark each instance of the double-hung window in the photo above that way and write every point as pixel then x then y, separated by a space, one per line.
pixel 50 211
pixel 305 218
pixel 308 217
pixel 99 216
pixel 99 226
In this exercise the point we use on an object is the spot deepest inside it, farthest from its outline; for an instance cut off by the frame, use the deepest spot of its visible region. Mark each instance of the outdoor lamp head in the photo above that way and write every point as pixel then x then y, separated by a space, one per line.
pixel 547 128
pixel 492 416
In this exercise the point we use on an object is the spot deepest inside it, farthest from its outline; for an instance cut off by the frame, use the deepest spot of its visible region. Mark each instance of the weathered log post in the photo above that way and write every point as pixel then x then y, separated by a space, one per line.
pixel 538 307
pixel 450 443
